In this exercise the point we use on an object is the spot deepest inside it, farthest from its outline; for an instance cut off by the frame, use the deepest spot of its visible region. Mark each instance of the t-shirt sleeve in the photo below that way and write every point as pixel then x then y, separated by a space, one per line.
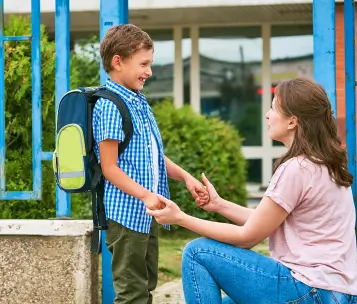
pixel 286 187
pixel 108 123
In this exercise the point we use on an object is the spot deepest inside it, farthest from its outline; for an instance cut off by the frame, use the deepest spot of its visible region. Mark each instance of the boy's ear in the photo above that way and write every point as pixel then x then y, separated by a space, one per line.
pixel 116 62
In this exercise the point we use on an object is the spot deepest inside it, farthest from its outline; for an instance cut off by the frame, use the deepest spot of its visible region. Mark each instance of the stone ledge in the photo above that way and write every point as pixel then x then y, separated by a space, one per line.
pixel 47 262
pixel 53 227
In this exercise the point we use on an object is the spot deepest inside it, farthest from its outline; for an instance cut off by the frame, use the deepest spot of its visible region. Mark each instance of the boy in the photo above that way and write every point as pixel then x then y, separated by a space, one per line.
pixel 133 180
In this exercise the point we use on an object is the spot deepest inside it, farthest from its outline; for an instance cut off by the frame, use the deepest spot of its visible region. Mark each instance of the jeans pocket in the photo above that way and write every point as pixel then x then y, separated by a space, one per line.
pixel 334 297
pixel 311 297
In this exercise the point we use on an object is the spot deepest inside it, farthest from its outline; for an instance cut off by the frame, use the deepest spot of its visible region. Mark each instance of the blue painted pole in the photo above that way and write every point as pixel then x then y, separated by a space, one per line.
pixel 108 293
pixel 324 47
pixel 62 38
pixel 350 89
pixel 36 98
pixel 112 12
pixel 2 99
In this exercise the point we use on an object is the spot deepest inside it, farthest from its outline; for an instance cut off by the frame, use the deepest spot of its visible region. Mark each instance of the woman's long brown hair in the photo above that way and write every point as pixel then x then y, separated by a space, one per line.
pixel 316 136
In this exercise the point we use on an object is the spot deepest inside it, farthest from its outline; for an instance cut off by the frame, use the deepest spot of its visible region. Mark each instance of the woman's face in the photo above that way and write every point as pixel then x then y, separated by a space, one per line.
pixel 280 127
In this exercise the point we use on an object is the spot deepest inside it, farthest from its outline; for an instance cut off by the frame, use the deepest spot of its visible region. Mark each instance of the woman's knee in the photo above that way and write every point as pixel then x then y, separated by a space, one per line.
pixel 192 247
pixel 196 246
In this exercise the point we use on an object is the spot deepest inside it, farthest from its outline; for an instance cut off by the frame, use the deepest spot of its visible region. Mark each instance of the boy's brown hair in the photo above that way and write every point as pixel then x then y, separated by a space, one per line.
pixel 123 40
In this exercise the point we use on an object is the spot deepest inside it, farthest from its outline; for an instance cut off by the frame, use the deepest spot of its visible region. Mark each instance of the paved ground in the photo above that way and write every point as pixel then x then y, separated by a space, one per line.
pixel 169 293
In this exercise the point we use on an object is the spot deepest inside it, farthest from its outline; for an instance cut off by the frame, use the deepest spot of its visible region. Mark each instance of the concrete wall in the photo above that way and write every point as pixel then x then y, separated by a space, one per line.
pixel 47 261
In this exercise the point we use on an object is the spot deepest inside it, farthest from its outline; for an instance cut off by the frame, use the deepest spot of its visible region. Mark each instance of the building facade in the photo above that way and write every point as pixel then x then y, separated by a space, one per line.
pixel 224 58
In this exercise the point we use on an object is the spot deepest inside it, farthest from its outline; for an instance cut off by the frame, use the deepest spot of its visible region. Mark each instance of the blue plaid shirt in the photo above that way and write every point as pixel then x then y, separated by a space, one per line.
pixel 137 159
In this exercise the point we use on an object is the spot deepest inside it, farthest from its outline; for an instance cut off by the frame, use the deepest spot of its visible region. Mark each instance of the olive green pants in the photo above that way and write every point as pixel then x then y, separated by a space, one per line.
pixel 134 263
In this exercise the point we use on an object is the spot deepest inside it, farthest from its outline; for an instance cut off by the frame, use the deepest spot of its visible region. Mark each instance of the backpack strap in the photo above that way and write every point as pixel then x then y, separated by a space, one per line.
pixel 125 114
pixel 99 217
pixel 98 209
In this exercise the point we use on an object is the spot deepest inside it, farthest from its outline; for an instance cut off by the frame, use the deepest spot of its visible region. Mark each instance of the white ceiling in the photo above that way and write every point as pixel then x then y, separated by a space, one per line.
pixel 221 16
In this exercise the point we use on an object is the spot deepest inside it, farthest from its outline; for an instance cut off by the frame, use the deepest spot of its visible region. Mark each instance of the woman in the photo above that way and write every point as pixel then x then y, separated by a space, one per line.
pixel 307 213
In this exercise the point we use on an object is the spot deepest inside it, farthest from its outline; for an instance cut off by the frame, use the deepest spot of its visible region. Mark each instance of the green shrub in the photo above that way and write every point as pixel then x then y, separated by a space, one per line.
pixel 18 109
pixel 85 64
pixel 199 144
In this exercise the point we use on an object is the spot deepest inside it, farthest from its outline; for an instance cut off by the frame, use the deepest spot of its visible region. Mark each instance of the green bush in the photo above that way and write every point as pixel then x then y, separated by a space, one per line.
pixel 18 109
pixel 199 144
pixel 85 64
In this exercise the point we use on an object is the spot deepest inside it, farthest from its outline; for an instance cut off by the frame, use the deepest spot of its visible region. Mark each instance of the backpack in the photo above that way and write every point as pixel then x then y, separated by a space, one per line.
pixel 74 162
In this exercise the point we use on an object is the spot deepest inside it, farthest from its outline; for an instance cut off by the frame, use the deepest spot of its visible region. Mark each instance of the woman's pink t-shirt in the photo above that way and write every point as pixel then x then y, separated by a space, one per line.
pixel 317 240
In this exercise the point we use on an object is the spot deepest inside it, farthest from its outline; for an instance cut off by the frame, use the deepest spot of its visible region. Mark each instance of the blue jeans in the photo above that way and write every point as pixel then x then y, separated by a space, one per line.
pixel 247 277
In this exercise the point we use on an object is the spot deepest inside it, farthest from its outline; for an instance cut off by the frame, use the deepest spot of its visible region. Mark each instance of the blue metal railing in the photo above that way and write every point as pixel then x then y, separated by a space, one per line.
pixel 62 38
pixel 325 68
pixel 36 100
pixel 35 194
pixel 111 13
pixel 2 100
pixel 325 47
pixel 350 89
pixel 62 85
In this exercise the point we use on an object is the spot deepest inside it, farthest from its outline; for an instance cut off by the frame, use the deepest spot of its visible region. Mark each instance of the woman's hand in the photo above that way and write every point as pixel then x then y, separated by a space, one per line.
pixel 171 214
pixel 197 190
pixel 214 198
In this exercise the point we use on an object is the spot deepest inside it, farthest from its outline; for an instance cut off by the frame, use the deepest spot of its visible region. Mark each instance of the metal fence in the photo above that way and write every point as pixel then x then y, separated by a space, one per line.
pixel 114 12
pixel 325 67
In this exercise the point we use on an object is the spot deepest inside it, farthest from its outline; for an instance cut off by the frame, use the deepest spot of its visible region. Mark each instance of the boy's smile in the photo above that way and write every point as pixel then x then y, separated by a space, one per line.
pixel 142 80
pixel 132 72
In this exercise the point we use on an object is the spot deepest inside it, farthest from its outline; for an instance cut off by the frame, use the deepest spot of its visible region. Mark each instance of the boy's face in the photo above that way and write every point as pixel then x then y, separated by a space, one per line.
pixel 132 72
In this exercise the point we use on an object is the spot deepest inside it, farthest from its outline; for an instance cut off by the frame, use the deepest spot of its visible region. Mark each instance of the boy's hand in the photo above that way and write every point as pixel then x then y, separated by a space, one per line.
pixel 197 189
pixel 169 215
pixel 152 202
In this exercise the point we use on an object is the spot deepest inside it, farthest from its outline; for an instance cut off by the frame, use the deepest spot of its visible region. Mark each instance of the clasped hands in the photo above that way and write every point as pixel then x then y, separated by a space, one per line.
pixel 167 212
